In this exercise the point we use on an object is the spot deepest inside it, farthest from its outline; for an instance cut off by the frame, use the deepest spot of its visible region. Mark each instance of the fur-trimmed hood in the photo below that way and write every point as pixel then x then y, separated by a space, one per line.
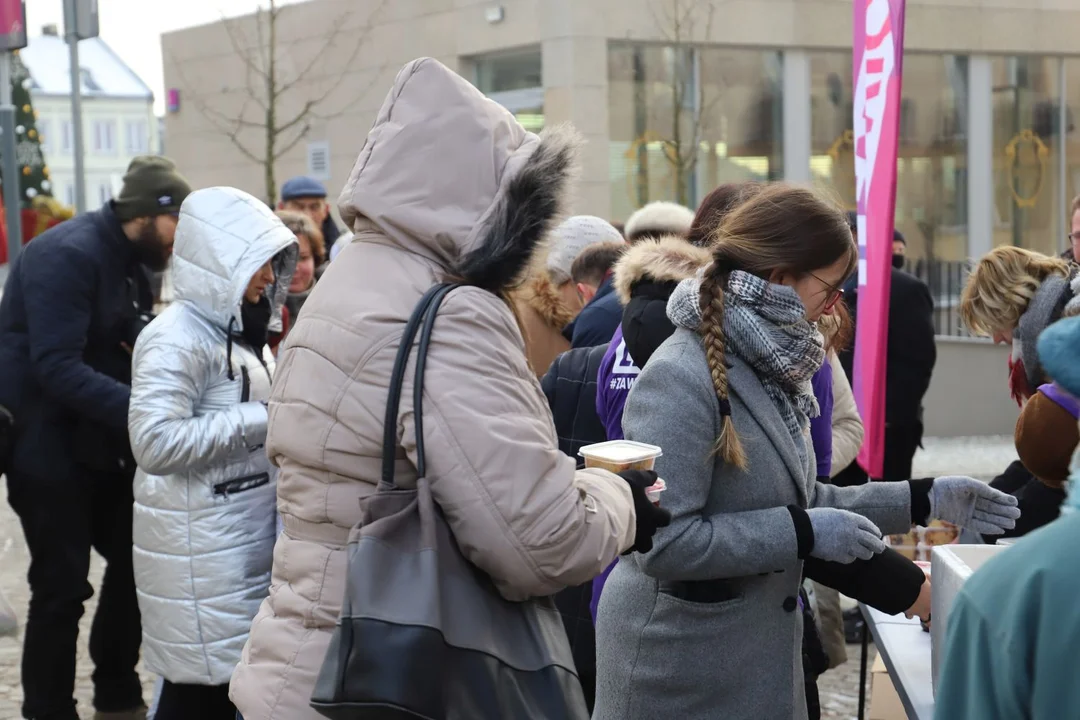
pixel 540 294
pixel 449 174
pixel 669 259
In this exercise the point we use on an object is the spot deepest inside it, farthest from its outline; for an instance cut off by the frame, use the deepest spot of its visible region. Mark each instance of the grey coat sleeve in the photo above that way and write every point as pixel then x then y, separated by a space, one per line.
pixel 886 504
pixel 675 408
pixel 168 379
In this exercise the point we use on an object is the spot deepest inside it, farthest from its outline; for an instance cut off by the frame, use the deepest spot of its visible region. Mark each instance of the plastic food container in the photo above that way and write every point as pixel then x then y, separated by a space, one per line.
pixel 621 455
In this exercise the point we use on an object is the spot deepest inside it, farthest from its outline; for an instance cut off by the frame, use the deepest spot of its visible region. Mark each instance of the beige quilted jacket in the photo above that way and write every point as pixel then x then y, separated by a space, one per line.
pixel 447 184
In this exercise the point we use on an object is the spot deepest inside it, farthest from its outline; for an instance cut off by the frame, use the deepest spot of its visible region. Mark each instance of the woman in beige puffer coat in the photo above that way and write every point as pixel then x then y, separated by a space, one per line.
pixel 448 185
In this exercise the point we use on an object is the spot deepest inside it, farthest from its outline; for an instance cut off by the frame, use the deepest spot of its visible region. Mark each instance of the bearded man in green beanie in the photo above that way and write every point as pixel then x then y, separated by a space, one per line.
pixel 74 302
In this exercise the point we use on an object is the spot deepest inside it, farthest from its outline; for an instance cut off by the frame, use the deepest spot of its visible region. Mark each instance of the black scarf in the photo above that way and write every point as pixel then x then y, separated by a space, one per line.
pixel 256 320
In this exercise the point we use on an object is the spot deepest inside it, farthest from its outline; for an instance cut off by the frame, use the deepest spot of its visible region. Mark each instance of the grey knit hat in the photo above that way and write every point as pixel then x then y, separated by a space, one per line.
pixel 571 237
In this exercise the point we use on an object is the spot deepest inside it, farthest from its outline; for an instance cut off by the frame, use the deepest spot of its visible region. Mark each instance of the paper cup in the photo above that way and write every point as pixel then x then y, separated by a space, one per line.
pixel 653 492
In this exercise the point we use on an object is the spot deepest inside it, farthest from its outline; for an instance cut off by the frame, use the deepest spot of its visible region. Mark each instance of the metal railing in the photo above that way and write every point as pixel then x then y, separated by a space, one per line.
pixel 946 280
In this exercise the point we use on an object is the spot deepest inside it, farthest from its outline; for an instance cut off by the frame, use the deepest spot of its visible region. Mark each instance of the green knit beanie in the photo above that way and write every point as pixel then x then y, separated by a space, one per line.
pixel 152 186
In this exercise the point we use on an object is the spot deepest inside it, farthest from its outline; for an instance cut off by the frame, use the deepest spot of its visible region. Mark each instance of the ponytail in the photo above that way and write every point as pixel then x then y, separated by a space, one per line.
pixel 728 445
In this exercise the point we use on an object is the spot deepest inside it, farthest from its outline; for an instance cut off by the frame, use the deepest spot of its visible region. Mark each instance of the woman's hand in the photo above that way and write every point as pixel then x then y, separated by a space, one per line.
pixel 843 536
pixel 921 606
pixel 650 518
pixel 973 504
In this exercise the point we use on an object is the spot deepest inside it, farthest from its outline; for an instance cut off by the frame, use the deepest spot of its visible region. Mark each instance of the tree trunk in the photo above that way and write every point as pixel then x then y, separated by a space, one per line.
pixel 271 109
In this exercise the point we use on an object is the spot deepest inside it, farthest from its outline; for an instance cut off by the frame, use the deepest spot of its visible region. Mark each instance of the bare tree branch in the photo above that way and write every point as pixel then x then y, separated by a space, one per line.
pixel 239 45
pixel 292 143
pixel 265 87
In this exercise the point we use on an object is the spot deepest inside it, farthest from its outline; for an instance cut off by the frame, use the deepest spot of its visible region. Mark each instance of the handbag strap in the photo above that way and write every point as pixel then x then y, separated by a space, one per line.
pixel 422 321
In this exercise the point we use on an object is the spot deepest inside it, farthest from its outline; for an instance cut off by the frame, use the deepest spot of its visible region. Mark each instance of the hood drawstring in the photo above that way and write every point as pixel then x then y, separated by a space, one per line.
pixel 228 348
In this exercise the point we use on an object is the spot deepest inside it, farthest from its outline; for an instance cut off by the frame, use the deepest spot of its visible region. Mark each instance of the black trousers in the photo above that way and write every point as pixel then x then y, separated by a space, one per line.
pixel 63 519
pixel 194 702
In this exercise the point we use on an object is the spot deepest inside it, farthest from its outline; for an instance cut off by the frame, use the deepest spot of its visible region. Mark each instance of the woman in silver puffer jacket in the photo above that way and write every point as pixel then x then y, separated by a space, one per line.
pixel 205 492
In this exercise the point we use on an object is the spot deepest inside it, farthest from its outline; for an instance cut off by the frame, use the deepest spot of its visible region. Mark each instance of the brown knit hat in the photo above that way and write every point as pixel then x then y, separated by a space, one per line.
pixel 1046 437
pixel 152 186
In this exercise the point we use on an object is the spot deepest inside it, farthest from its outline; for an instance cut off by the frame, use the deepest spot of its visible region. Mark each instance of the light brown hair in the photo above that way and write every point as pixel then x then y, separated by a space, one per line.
pixel 780 227
pixel 594 263
pixel 301 224
pixel 1001 286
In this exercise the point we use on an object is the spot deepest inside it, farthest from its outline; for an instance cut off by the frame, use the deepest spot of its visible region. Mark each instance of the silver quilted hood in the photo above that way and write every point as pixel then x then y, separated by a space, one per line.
pixel 222 239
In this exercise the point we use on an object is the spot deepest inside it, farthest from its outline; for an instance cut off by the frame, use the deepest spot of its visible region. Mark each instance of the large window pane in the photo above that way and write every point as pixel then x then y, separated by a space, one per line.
pixel 931 168
pixel 1027 141
pixel 1072 138
pixel 832 158
pixel 503 72
pixel 515 80
pixel 683 120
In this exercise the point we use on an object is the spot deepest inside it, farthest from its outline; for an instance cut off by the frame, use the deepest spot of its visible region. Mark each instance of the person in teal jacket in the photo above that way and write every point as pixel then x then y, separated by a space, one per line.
pixel 1014 630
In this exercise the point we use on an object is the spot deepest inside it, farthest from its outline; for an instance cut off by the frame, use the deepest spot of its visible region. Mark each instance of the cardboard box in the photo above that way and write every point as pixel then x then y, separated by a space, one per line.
pixel 884 701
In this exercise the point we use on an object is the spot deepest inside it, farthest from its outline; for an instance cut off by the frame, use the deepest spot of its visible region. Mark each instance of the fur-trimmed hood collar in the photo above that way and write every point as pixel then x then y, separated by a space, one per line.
pixel 540 294
pixel 451 175
pixel 669 259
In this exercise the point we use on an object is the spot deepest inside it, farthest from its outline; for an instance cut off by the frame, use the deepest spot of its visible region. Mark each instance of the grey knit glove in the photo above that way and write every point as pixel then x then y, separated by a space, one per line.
pixel 842 536
pixel 973 504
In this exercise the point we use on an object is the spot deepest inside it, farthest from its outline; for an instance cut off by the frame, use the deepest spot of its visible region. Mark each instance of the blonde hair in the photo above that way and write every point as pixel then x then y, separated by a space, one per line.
pixel 779 227
pixel 301 224
pixel 1001 286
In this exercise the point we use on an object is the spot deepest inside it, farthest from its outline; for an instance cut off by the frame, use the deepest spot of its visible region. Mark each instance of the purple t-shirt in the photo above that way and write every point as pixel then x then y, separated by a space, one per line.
pixel 613 383
pixel 821 426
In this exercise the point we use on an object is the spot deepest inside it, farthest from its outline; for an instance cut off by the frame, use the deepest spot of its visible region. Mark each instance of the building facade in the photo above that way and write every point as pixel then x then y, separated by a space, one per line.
pixel 117 109
pixel 677 96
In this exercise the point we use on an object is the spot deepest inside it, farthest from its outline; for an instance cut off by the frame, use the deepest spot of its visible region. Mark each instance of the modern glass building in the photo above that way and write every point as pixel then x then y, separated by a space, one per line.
pixel 677 96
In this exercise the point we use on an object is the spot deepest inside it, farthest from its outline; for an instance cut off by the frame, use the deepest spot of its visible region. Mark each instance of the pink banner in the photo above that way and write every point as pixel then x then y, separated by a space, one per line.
pixel 878 52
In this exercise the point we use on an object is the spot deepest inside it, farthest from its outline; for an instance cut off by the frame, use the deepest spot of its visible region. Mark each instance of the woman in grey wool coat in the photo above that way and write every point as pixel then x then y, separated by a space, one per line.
pixel 705 625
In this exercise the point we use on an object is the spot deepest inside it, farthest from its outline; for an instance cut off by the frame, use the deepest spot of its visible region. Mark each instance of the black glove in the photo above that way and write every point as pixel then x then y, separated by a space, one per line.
pixel 650 518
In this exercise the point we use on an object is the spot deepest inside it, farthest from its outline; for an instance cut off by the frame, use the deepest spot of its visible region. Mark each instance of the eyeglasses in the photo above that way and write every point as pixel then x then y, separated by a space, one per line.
pixel 1073 237
pixel 835 293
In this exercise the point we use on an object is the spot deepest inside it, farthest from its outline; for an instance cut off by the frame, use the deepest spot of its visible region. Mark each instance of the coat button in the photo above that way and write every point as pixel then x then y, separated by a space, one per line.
pixel 790 604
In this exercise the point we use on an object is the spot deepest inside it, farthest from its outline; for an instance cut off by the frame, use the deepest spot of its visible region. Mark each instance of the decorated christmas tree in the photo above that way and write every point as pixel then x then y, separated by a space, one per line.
pixel 33 172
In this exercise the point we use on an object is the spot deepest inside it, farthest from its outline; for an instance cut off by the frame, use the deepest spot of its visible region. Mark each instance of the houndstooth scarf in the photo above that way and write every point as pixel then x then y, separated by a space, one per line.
pixel 765 325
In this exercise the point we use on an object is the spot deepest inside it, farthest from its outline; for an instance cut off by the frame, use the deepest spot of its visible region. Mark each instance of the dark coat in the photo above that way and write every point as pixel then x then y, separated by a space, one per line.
pixel 74 296
pixel 597 322
pixel 570 387
pixel 1039 503
pixel 911 353
pixel 331 232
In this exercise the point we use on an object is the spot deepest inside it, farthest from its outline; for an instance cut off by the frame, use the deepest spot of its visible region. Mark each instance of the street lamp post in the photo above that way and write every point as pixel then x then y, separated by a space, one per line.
pixel 80 23
pixel 12 37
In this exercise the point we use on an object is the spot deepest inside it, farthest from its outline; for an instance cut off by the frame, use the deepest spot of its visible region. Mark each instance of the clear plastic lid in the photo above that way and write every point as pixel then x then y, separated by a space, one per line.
pixel 621 451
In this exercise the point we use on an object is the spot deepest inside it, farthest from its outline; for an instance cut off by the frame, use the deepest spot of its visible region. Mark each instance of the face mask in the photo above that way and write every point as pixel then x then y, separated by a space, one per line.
pixel 898 261
pixel 256 319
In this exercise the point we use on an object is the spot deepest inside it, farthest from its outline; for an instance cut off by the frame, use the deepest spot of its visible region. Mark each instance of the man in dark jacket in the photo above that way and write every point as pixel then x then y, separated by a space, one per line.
pixel 308 196
pixel 592 273
pixel 910 360
pixel 73 304
pixel 570 387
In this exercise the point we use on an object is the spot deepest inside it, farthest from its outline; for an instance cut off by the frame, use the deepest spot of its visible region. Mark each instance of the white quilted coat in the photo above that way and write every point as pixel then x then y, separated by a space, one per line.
pixel 205 492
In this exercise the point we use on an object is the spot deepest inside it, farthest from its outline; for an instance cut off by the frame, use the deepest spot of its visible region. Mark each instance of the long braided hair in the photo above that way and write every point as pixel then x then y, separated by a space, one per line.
pixel 778 227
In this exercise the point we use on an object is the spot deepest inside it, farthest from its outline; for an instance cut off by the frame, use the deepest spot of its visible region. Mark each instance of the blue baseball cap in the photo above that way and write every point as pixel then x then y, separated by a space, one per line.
pixel 302 187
